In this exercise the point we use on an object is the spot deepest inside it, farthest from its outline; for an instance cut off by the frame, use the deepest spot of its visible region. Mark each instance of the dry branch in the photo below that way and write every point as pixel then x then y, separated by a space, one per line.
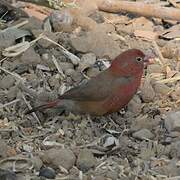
pixel 143 9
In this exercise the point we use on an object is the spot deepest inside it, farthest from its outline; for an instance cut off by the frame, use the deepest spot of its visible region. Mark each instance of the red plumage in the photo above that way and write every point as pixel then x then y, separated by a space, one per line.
pixel 109 91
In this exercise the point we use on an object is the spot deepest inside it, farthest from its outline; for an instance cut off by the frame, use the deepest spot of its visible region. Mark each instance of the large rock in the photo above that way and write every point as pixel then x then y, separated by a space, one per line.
pixel 98 42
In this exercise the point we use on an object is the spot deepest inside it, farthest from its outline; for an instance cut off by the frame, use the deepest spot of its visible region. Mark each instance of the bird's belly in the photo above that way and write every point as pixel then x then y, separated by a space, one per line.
pixel 119 99
pixel 91 107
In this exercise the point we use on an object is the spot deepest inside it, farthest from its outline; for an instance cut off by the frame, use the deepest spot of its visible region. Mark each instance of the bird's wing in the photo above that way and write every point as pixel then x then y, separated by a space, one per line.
pixel 96 89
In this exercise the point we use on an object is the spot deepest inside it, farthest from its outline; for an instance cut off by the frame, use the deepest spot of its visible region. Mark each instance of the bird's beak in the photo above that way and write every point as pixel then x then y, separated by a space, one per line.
pixel 149 59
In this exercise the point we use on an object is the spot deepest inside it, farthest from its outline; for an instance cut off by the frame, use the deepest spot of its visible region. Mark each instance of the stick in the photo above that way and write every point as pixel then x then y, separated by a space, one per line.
pixel 74 59
pixel 58 67
pixel 29 106
pixel 13 74
pixel 162 60
pixel 9 103
pixel 143 9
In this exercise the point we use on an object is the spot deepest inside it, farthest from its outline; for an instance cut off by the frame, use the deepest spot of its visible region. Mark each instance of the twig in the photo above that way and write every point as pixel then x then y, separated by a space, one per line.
pixel 169 80
pixel 143 9
pixel 13 74
pixel 21 24
pixel 3 59
pixel 174 3
pixel 58 67
pixel 9 103
pixel 74 59
pixel 29 106
pixel 162 60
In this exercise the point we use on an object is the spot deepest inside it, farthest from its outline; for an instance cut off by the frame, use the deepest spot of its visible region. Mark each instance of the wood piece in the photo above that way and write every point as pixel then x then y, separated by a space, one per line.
pixel 143 9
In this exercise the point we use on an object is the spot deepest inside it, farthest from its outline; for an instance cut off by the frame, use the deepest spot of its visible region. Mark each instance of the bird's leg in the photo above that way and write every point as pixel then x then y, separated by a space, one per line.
pixel 94 129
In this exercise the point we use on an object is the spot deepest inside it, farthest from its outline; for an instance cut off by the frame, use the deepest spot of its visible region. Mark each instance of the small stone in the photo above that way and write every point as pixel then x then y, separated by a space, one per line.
pixel 85 160
pixel 47 172
pixel 3 149
pixel 2 96
pixel 33 23
pixel 143 134
pixel 92 72
pixel 144 122
pixel 7 82
pixel 21 68
pixel 96 16
pixel 59 157
pixel 54 81
pixel 135 105
pixel 162 89
pixel 69 72
pixel 7 175
pixel 172 121
pixel 62 20
pixel 37 162
pixel 87 60
pixel 112 175
pixel 66 65
pixel 12 93
pixel 175 150
pixel 154 68
pixel 147 92
pixel 77 77
pixel 30 57
pixel 176 94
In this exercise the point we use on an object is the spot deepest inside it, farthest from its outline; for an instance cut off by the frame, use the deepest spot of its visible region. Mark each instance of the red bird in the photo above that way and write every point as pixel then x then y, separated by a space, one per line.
pixel 108 92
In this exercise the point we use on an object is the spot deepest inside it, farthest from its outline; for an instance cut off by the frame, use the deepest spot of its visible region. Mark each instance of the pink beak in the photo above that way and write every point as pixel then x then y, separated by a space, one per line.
pixel 149 59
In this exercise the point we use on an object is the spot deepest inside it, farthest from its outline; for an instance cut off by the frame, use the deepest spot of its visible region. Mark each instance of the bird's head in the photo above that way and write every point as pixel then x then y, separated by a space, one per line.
pixel 130 63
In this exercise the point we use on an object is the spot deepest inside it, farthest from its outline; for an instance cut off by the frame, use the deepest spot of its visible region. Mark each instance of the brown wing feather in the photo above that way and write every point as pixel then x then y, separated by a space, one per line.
pixel 96 89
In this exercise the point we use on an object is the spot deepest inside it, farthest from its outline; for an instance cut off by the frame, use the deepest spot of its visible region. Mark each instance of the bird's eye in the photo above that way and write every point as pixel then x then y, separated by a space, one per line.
pixel 139 59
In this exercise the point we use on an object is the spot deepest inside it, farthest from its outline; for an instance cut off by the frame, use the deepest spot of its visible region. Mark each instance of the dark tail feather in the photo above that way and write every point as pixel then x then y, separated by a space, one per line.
pixel 42 107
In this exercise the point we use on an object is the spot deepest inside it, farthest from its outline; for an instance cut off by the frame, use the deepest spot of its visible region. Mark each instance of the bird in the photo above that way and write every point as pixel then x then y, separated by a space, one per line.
pixel 108 92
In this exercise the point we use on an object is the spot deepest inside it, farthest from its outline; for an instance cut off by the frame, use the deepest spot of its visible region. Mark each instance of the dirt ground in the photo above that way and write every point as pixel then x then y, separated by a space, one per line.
pixel 43 56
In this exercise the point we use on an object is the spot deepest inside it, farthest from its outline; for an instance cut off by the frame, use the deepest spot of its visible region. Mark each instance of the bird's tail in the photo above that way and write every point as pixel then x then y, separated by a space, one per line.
pixel 43 107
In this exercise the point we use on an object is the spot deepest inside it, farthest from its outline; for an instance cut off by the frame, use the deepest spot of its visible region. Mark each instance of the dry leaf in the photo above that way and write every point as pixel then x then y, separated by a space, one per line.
pixel 148 35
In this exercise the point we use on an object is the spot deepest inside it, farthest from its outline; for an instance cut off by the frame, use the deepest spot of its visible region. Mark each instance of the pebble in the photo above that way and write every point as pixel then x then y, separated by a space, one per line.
pixel 135 105
pixel 7 82
pixel 92 72
pixel 162 89
pixel 143 134
pixel 30 57
pixel 172 121
pixel 147 92
pixel 7 175
pixel 87 60
pixel 21 68
pixel 47 172
pixel 59 157
pixel 66 65
pixel 86 160
pixel 154 68
pixel 2 96
pixel 37 162
pixel 144 122
pixel 62 20
pixel 3 149
pixel 12 93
